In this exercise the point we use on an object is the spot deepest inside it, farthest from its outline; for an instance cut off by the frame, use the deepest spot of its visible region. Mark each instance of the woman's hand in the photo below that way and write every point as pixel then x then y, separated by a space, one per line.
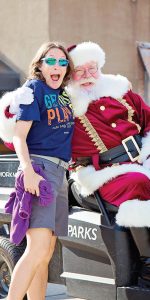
pixel 31 181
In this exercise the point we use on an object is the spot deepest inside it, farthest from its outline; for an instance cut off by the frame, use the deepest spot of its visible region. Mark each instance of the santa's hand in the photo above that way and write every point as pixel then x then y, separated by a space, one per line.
pixel 146 163
pixel 23 95
pixel 9 107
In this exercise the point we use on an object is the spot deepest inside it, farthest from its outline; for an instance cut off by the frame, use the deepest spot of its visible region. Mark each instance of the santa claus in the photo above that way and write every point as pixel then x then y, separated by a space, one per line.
pixel 111 143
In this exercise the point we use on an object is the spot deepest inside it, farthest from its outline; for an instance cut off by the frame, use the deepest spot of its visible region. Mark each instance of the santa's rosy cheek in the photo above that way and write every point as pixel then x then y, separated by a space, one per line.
pixel 75 77
pixel 96 75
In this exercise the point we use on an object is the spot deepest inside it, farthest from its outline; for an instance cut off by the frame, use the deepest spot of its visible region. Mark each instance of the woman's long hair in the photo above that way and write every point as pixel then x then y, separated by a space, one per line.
pixel 34 68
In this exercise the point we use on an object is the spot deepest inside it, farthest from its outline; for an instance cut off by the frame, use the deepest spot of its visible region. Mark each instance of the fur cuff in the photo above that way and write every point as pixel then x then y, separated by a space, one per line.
pixel 91 180
pixel 7 126
pixel 145 151
pixel 134 213
pixel 23 95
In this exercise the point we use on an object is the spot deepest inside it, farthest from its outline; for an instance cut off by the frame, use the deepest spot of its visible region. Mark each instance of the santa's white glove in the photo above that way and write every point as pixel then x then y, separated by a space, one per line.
pixel 146 163
pixel 23 95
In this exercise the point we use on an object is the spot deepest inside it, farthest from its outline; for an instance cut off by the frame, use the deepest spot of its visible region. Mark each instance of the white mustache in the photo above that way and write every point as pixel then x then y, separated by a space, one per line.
pixel 91 79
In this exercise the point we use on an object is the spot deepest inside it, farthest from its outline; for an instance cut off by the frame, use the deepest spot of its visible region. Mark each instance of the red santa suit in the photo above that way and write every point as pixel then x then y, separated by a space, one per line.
pixel 115 113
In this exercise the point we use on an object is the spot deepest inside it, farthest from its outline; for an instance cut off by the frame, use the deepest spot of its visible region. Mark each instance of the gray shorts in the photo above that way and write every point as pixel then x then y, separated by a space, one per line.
pixel 55 215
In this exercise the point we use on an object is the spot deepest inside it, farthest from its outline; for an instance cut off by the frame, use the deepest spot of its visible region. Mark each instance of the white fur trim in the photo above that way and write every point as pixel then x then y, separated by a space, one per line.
pixel 146 164
pixel 23 95
pixel 6 125
pixel 86 52
pixel 134 213
pixel 90 180
pixel 145 151
pixel 115 86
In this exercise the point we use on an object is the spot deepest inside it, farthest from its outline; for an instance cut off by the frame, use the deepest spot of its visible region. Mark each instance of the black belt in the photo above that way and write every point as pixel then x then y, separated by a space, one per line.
pixel 128 151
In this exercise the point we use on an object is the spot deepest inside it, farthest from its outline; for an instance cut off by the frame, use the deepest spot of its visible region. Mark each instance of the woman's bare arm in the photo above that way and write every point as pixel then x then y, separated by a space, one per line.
pixel 31 179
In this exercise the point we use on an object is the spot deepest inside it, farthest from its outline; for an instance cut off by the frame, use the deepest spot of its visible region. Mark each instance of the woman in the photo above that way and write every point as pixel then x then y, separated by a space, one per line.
pixel 43 135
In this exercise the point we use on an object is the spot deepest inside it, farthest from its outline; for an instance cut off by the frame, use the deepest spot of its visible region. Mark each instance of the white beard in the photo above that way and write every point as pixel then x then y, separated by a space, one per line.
pixel 114 86
pixel 81 98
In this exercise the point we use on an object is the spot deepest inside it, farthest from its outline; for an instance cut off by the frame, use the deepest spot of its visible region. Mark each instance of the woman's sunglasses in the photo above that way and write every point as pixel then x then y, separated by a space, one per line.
pixel 52 61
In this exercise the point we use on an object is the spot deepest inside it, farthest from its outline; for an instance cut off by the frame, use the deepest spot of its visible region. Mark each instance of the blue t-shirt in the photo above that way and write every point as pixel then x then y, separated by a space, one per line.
pixel 52 127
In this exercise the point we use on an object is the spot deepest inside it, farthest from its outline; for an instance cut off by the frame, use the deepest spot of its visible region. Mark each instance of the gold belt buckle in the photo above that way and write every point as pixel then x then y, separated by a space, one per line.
pixel 126 148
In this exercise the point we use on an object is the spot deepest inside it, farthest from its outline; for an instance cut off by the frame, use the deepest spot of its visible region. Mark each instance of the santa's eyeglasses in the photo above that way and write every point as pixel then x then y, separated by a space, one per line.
pixel 62 62
pixel 80 72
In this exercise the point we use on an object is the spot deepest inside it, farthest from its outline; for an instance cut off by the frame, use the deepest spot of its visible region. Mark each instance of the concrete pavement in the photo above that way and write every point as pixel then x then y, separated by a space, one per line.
pixel 58 292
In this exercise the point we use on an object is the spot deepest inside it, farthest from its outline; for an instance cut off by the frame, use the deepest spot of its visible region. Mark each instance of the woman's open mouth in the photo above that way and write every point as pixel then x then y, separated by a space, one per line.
pixel 55 77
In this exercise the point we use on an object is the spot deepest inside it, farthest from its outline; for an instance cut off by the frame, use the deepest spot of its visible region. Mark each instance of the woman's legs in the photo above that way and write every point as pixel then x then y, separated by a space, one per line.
pixel 38 247
pixel 37 289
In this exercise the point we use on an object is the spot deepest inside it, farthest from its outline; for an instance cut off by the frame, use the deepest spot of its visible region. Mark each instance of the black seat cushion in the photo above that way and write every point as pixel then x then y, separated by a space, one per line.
pixel 87 202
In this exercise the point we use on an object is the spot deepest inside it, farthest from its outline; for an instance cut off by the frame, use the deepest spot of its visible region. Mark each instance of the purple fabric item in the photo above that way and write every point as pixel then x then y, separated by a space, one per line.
pixel 20 204
pixel 25 205
pixel 10 203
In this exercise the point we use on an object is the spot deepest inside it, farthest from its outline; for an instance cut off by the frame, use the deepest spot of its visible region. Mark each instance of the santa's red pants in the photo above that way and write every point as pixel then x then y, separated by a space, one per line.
pixel 126 187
